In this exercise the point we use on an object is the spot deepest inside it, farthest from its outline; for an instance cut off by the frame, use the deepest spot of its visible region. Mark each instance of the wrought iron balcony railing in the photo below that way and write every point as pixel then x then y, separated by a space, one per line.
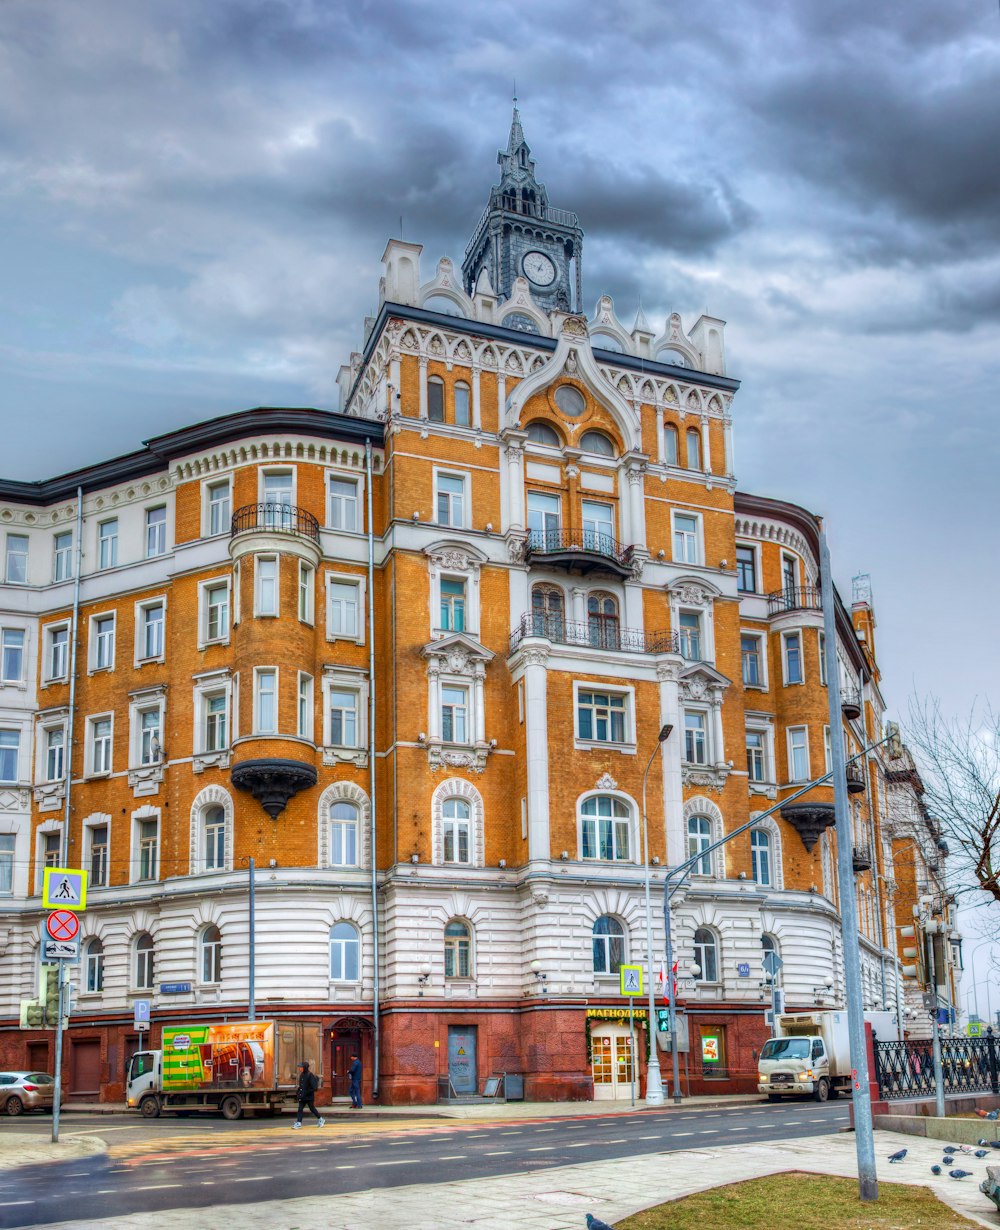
pixel 594 634
pixel 563 541
pixel 794 598
pixel 855 779
pixel 271 517
pixel 850 704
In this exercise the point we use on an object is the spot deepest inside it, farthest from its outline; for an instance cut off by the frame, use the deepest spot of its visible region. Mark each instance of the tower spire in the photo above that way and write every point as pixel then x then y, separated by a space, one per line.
pixel 516 138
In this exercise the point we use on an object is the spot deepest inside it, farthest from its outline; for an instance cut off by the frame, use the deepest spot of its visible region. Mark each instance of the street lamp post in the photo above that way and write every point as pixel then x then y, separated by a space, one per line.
pixel 654 1082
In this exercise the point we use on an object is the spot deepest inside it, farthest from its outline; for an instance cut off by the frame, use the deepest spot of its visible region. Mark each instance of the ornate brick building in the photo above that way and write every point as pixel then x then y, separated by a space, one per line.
pixel 412 658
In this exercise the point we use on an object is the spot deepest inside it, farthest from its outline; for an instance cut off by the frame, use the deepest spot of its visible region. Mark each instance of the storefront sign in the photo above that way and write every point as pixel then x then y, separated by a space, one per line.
pixel 709 1049
pixel 615 1014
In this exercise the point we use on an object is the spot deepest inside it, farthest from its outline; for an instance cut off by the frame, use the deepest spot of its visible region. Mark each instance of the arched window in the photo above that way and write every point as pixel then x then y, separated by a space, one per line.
pixel 693 448
pixel 344 835
pixel 547 612
pixel 214 838
pixel 597 442
pixel 211 954
pixel 345 953
pixel 94 960
pixel 144 962
pixel 539 432
pixel 609 945
pixel 699 839
pixel 456 829
pixel 760 857
pixel 605 341
pixel 462 404
pixel 457 950
pixel 435 399
pixel 605 828
pixel 667 354
pixel 670 444
pixel 602 620
pixel 706 956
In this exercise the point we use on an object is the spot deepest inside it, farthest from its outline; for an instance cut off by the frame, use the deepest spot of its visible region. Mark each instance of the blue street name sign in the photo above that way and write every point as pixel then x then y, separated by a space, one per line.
pixel 175 988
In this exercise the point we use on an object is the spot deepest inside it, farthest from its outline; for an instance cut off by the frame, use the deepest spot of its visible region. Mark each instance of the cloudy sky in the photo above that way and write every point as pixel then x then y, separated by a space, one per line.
pixel 194 197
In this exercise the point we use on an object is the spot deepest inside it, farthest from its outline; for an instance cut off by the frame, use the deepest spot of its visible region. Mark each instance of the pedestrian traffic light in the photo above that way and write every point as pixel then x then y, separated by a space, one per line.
pixel 41 1013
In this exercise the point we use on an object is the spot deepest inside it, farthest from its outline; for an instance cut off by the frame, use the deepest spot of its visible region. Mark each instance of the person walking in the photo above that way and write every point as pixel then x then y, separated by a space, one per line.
pixel 354 1087
pixel 306 1094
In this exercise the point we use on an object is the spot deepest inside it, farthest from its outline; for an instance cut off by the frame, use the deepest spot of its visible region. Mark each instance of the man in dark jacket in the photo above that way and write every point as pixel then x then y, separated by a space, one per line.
pixel 306 1094
pixel 354 1077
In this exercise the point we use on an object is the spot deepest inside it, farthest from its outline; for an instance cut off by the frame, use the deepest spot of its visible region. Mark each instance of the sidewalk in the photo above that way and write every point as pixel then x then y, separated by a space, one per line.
pixel 477 1110
pixel 559 1199
pixel 27 1149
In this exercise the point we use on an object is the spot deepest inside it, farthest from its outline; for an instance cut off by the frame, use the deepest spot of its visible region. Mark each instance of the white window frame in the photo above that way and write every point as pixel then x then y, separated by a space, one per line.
pixel 627 745
pixel 467 388
pixel 792 683
pixel 48 635
pixel 683 633
pixel 159 531
pixel 62 557
pixel 45 729
pixel 142 609
pixel 341 943
pixel 439 571
pixel 337 857
pixel 91 768
pixel 768 881
pixel 827 750
pixel 91 824
pixel 360 584
pixel 305 706
pixel 332 501
pixel 276 468
pixel 21 679
pixel 92 975
pixel 706 716
pixel 452 946
pixel 755 552
pixel 208 686
pixel 144 815
pixel 258 671
pixel 11 555
pixel 465 521
pixel 789 732
pixel 111 541
pixel 761 639
pixel 306 593
pixel 699 958
pixel 15 730
pixel 693 541
pixel 345 679
pixel 207 504
pixel 456 685
pixel 221 827
pixel 630 820
pixel 258 587
pixel 205 588
pixel 143 979
pixel 453 827
pixel 821 645
pixel 94 641
pixel 761 733
pixel 215 947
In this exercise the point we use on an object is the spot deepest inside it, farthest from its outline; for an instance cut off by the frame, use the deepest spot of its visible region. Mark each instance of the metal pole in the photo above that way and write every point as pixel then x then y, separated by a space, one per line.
pixel 57 1089
pixel 863 1129
pixel 939 1107
pixel 631 1047
pixel 671 1007
pixel 252 1007
pixel 654 1081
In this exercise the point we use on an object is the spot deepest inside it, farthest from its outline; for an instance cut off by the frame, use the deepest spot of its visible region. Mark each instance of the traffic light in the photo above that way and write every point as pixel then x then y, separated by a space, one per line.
pixel 914 951
pixel 41 1013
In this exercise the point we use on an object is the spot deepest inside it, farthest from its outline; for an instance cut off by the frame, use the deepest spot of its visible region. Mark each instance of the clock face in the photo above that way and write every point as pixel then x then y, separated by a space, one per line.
pixel 538 268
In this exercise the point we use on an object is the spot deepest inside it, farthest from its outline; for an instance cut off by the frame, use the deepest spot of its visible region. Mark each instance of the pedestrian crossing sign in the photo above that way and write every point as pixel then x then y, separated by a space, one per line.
pixel 64 888
pixel 631 979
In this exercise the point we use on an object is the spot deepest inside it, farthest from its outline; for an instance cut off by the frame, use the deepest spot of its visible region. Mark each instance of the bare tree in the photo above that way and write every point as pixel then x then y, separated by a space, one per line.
pixel 959 764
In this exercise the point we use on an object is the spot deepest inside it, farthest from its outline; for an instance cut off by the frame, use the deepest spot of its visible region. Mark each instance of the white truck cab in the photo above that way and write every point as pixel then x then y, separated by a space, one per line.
pixel 144 1078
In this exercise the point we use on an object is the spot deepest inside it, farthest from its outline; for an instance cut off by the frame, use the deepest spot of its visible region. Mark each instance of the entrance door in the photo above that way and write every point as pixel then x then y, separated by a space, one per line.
pixel 85 1074
pixel 38 1056
pixel 462 1058
pixel 713 1052
pixel 611 1062
pixel 343 1044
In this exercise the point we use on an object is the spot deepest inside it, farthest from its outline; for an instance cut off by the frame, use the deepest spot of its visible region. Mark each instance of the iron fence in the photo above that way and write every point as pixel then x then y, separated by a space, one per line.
pixel 276 517
pixel 794 598
pixel 906 1069
pixel 600 633
pixel 557 542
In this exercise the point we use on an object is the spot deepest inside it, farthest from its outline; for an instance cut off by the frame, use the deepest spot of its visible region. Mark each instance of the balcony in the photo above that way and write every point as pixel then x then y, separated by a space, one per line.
pixel 579 550
pixel 850 705
pixel 861 859
pixel 855 779
pixel 794 598
pixel 273 518
pixel 596 634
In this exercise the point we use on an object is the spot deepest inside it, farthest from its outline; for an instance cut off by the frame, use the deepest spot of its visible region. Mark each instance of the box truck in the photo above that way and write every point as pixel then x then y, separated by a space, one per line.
pixel 810 1054
pixel 227 1066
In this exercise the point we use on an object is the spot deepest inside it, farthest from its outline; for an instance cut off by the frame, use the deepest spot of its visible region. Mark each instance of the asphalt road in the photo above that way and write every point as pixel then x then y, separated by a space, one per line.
pixel 168 1164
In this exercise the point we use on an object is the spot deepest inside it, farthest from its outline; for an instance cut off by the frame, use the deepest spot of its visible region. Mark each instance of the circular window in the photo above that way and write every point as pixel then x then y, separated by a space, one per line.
pixel 570 401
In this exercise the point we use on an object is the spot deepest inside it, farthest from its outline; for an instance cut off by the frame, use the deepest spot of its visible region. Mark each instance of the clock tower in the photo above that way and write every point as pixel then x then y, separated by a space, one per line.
pixel 522 235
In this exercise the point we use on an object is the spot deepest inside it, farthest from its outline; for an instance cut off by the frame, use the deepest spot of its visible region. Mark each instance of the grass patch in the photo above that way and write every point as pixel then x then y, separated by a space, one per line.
pixel 800 1202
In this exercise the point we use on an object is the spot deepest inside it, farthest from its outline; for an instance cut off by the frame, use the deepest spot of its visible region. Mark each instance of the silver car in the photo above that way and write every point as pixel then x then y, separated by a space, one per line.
pixel 21 1091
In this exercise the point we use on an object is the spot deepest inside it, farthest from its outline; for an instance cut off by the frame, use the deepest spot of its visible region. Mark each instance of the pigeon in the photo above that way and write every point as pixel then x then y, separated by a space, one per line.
pixel 982 1153
pixel 935 1170
pixel 982 1143
pixel 965 1149
pixel 595 1223
pixel 897 1156
pixel 994 1144
pixel 960 1174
